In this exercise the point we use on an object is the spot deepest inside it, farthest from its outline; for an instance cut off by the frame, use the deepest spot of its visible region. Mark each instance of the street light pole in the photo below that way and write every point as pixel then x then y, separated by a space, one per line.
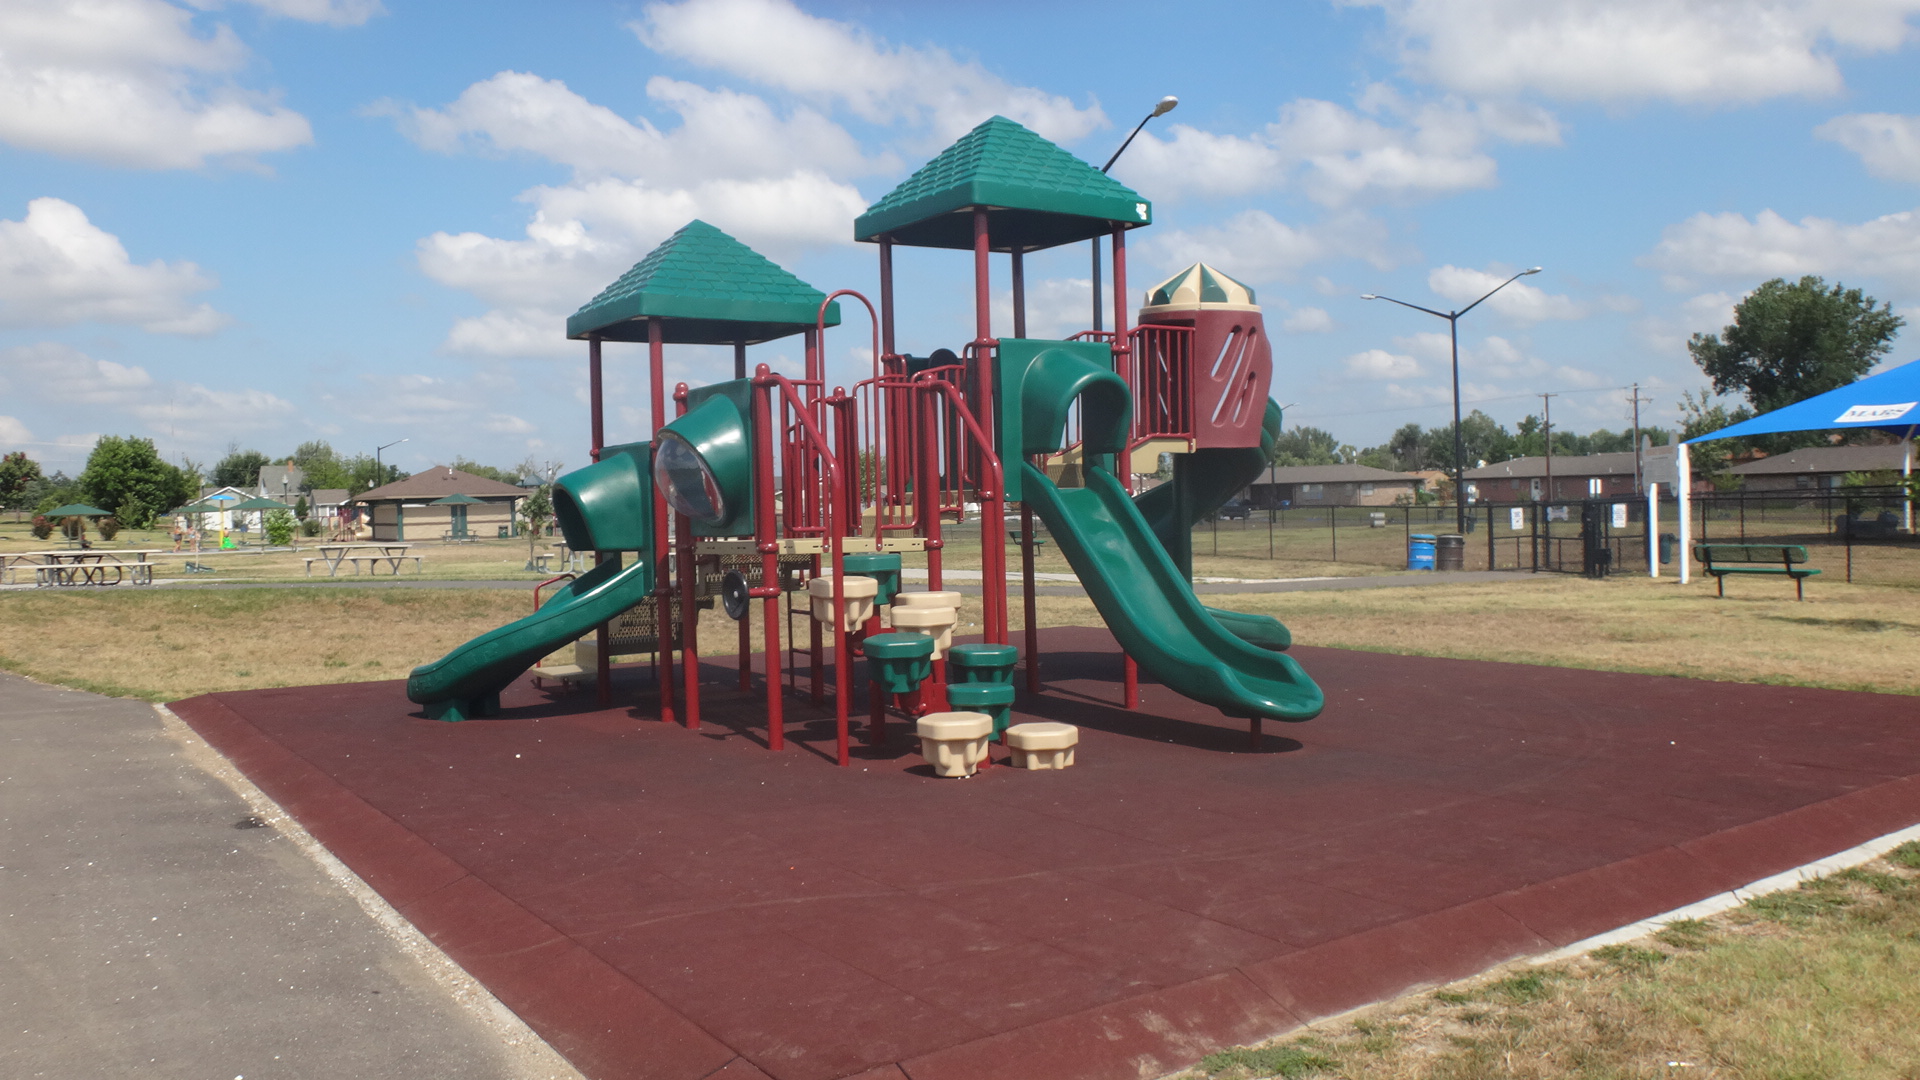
pixel 1459 442
pixel 379 470
pixel 1162 108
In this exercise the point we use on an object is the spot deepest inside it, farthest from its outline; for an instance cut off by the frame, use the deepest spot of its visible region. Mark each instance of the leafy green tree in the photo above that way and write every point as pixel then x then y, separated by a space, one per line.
pixel 17 475
pixel 240 468
pixel 128 478
pixel 1789 342
pixel 321 466
pixel 50 491
pixel 364 474
pixel 1701 415
pixel 279 526
pixel 1306 446
pixel 536 510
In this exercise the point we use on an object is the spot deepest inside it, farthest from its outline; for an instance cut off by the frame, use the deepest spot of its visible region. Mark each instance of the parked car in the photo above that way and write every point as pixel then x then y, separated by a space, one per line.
pixel 1236 511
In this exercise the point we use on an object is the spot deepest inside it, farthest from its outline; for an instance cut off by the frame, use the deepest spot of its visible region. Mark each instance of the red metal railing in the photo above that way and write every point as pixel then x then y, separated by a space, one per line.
pixel 1161 376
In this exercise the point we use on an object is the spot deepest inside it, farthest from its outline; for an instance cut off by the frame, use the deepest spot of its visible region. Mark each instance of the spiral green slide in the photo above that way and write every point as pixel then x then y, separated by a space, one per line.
pixel 605 507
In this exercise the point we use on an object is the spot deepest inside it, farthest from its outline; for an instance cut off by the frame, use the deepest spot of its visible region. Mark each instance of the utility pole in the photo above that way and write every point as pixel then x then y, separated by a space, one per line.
pixel 1639 474
pixel 1546 410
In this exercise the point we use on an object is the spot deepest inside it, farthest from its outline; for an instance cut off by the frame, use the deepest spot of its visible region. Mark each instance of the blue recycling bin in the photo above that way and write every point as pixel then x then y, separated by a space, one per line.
pixel 1420 551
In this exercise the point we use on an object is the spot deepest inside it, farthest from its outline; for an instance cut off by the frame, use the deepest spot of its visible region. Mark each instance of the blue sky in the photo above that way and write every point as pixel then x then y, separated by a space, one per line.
pixel 268 221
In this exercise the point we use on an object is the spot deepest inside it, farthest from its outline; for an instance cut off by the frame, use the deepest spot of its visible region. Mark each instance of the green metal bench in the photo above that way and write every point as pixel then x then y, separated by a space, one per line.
pixel 1777 559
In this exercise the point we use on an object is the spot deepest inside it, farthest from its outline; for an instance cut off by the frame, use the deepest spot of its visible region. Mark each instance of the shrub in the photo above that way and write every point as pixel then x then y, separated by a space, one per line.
pixel 42 528
pixel 109 527
pixel 310 527
pixel 279 527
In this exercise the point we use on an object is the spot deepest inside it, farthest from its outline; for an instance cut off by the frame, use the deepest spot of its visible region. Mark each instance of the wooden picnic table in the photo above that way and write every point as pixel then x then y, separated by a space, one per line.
pixel 332 555
pixel 94 566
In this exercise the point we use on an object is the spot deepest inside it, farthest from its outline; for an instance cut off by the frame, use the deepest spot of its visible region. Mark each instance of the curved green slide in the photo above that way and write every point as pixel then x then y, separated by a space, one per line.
pixel 607 506
pixel 1151 609
pixel 1202 483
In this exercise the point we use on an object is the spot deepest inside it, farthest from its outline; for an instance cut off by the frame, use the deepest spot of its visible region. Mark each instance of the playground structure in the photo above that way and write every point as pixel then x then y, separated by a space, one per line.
pixel 764 487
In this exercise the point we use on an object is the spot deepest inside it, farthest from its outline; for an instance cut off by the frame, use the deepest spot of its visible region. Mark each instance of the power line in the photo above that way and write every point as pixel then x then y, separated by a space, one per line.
pixel 1446 405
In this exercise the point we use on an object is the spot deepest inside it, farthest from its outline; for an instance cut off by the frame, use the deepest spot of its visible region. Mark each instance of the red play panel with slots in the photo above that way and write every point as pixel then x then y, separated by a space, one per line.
pixel 675 904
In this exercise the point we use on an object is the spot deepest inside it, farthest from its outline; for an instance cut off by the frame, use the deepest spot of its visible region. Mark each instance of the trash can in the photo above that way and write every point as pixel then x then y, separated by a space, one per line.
pixel 1668 541
pixel 1420 551
pixel 1450 552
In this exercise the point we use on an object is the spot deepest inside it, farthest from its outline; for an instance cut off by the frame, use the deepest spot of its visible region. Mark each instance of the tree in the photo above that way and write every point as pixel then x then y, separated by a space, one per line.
pixel 17 475
pixel 1306 446
pixel 1789 342
pixel 321 467
pixel 364 474
pixel 535 511
pixel 1701 415
pixel 240 468
pixel 127 478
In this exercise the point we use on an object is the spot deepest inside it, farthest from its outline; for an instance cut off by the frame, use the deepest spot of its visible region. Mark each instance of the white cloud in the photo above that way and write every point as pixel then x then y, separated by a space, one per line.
pixel 1387 147
pixel 1694 51
pixel 732 161
pixel 14 434
pixel 1519 300
pixel 774 43
pixel 330 12
pixel 129 82
pixel 61 374
pixel 1381 364
pixel 1887 144
pixel 1056 307
pixel 1255 246
pixel 1731 245
pixel 57 268
pixel 1308 320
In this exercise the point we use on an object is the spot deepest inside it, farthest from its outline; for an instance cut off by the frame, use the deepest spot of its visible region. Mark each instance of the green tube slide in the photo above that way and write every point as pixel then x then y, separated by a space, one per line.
pixel 1202 483
pixel 1150 607
pixel 607 506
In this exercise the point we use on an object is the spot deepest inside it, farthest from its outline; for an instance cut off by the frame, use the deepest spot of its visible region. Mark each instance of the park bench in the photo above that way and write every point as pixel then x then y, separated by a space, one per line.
pixel 1015 536
pixel 1777 559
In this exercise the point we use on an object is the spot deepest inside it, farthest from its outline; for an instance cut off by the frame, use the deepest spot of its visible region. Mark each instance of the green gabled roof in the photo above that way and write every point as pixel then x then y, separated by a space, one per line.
pixel 1038 196
pixel 708 289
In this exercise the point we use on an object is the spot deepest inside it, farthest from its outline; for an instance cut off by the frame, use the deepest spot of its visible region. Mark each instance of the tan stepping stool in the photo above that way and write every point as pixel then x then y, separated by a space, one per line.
pixel 954 743
pixel 856 591
pixel 1042 745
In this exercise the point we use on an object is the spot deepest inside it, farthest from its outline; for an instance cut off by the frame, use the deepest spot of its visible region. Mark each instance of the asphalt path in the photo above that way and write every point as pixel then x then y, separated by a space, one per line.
pixel 157 922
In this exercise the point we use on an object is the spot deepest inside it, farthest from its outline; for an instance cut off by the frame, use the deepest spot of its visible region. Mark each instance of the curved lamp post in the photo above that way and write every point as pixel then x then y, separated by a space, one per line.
pixel 379 471
pixel 1453 330
pixel 1161 108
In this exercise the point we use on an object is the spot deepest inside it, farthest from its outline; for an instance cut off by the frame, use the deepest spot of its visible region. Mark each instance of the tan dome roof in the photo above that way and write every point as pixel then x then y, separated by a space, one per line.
pixel 1200 288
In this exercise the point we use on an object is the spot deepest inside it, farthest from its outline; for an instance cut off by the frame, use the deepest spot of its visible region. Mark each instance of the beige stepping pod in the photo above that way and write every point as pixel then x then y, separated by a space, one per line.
pixel 858 593
pixel 933 613
pixel 1042 745
pixel 955 743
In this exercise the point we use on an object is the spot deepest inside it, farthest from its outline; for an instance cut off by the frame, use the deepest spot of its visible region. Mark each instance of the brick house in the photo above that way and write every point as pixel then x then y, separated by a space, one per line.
pixel 1331 485
pixel 1818 467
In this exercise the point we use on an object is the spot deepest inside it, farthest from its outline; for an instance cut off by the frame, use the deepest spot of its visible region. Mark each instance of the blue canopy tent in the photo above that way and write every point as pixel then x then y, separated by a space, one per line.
pixel 1889 401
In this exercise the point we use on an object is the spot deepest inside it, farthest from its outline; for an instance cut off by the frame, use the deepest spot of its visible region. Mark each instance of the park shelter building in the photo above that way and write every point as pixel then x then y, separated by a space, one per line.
pixel 1817 467
pixel 404 510
pixel 1579 476
pixel 1331 485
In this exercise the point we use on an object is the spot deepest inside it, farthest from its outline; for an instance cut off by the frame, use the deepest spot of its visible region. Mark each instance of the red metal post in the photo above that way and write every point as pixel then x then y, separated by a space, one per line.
pixel 597 424
pixel 662 548
pixel 886 295
pixel 689 610
pixel 1123 361
pixel 1131 671
pixel 739 359
pixel 1019 280
pixel 1027 601
pixel 767 540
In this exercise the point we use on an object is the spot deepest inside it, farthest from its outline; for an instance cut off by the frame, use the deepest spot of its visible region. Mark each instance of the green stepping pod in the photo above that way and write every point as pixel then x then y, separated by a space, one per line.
pixel 994 699
pixel 899 662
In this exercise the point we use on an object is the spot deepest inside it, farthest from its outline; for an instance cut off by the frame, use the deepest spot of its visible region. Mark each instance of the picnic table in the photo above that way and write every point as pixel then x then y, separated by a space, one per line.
pixel 373 554
pixel 94 566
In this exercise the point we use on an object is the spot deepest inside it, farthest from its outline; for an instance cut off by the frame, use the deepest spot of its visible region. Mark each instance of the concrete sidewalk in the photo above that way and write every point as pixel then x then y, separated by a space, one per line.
pixel 159 923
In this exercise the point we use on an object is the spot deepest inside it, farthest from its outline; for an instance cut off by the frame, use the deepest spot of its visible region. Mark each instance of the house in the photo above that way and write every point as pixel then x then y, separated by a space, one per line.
pixel 281 482
pixel 404 510
pixel 1331 485
pixel 1579 476
pixel 1818 467
pixel 225 521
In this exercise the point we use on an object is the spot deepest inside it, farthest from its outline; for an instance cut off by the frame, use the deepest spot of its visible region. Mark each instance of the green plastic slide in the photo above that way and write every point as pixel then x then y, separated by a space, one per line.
pixel 1151 609
pixel 1202 483
pixel 607 506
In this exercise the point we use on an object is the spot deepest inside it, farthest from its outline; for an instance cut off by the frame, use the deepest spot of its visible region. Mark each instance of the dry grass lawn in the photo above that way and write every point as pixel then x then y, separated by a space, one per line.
pixel 163 644
pixel 1806 985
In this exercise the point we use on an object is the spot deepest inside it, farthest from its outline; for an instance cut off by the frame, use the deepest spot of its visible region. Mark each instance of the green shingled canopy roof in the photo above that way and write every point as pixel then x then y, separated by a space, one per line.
pixel 1038 196
pixel 708 289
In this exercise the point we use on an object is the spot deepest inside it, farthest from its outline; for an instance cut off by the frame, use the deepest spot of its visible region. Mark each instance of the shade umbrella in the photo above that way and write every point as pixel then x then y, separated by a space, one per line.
pixel 460 499
pixel 260 502
pixel 78 510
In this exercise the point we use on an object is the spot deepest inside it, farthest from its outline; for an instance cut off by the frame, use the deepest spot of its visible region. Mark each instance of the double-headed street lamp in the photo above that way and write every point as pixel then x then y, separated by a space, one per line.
pixel 1459 444
pixel 1162 108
